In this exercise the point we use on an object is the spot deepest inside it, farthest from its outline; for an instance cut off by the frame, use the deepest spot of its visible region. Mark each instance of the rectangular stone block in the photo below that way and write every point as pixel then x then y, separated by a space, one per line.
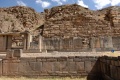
pixel 113 72
pixel 61 66
pixel 1 64
pixel 62 59
pixel 27 69
pixel 108 69
pixel 41 59
pixel 51 59
pixel 17 53
pixel 77 59
pixel 10 69
pixel 72 67
pixel 104 68
pixel 47 67
pixel 88 66
pixel 95 67
pixel 35 66
pixel 80 66
pixel 24 59
pixel 118 73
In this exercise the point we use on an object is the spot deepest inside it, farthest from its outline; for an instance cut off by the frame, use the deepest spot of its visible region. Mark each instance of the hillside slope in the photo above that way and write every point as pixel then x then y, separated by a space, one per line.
pixel 20 19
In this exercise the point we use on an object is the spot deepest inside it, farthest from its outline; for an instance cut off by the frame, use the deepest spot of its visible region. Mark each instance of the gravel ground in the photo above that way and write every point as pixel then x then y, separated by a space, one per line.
pixel 65 54
pixel 61 54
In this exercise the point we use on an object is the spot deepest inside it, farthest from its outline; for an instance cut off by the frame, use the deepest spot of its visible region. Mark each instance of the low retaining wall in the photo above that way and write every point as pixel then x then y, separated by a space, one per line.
pixel 52 66
pixel 110 68
pixel 95 68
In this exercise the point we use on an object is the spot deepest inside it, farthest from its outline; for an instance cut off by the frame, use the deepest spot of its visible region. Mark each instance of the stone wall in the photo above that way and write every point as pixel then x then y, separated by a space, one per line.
pixel 74 21
pixel 51 66
pixel 68 21
pixel 75 28
pixel 20 19
pixel 95 68
pixel 79 44
pixel 110 68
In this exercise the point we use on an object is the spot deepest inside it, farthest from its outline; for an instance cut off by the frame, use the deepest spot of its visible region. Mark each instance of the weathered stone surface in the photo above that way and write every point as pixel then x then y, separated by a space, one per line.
pixel 10 69
pixel 47 67
pixel 20 19
pixel 80 66
pixel 88 66
pixel 72 67
pixel 1 64
pixel 78 21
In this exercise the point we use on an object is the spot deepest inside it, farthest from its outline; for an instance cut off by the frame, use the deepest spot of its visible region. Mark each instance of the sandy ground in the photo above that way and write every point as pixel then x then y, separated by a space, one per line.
pixel 23 78
pixel 66 54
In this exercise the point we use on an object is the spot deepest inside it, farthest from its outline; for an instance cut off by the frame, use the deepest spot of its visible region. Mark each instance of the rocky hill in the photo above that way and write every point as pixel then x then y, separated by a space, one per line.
pixel 75 21
pixel 20 19
pixel 62 21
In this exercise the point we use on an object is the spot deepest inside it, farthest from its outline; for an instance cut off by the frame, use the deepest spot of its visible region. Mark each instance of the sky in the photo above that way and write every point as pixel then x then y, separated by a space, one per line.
pixel 40 5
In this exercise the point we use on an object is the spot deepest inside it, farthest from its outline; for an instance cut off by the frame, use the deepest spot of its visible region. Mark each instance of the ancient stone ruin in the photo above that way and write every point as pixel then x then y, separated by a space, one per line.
pixel 70 39
pixel 65 28
pixel 74 28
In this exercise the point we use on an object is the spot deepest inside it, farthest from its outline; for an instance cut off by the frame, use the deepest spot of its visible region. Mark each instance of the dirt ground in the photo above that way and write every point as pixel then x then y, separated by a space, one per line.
pixel 23 78
pixel 66 54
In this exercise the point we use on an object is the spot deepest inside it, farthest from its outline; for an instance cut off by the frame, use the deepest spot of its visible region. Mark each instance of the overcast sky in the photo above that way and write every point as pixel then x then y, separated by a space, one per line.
pixel 40 5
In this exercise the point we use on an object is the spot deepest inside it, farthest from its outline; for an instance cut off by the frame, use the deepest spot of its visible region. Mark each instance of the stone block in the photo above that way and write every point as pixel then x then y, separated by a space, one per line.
pixel 27 69
pixel 9 54
pixel 51 59
pixel 108 69
pixel 10 69
pixel 17 53
pixel 104 68
pixel 118 71
pixel 95 67
pixel 116 63
pixel 88 66
pixel 72 67
pixel 36 66
pixel 25 59
pixel 77 59
pixel 41 59
pixel 80 66
pixel 62 59
pixel 113 72
pixel 47 67
pixel 61 66
pixel 13 60
pixel 1 65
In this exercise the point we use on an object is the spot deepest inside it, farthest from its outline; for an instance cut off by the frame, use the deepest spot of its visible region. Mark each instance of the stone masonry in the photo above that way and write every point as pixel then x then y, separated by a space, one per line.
pixel 51 66
pixel 75 28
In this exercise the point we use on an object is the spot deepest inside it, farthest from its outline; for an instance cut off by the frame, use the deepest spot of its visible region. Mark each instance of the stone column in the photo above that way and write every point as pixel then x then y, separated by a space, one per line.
pixel 101 43
pixel 92 44
pixel 3 41
pixel 29 39
pixel 61 46
pixel 9 42
pixel 25 42
pixel 40 43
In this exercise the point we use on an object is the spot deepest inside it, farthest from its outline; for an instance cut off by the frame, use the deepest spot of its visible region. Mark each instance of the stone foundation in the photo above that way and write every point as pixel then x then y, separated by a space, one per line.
pixel 51 66
pixel 95 68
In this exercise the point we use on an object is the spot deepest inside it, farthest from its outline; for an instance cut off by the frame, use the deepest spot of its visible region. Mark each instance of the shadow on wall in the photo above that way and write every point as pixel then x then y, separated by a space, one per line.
pixel 110 68
pixel 94 70
pixel 40 28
